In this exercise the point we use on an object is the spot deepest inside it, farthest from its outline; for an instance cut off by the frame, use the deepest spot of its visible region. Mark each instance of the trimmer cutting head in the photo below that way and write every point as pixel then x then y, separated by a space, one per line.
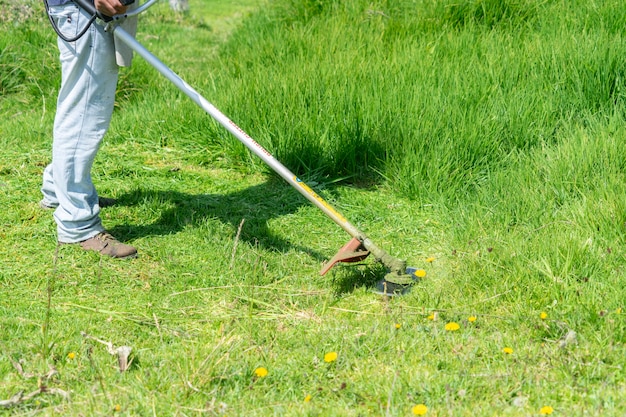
pixel 396 283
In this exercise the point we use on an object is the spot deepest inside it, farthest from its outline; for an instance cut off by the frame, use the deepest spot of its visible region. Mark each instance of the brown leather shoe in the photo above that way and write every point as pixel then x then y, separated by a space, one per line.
pixel 107 245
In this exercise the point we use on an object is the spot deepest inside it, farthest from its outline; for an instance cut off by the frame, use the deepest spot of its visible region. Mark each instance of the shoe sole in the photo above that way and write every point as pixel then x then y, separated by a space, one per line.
pixel 131 256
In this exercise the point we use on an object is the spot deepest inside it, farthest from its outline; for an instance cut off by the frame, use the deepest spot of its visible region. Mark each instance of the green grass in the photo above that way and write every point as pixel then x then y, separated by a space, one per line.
pixel 487 135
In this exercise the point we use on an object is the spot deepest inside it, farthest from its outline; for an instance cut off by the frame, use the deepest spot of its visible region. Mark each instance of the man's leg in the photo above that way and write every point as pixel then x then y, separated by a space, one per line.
pixel 84 109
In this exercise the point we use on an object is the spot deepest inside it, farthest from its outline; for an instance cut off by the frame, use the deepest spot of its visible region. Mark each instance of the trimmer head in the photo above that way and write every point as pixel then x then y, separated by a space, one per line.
pixel 399 279
pixel 396 283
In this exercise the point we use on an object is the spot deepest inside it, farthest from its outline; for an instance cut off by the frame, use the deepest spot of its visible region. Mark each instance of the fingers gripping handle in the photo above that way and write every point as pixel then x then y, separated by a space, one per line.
pixel 89 7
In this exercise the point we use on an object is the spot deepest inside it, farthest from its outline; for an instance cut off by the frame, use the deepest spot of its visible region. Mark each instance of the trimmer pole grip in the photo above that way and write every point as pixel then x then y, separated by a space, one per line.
pixel 89 7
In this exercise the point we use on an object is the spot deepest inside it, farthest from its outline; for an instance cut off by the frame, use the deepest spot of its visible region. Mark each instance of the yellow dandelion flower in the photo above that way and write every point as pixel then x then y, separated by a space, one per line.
pixel 117 408
pixel 619 310
pixel 419 410
pixel 260 372
pixel 507 350
pixel 71 355
pixel 471 319
pixel 307 398
pixel 398 325
pixel 420 273
pixel 433 316
pixel 543 315
pixel 330 357
pixel 452 326
pixel 546 410
pixel 430 259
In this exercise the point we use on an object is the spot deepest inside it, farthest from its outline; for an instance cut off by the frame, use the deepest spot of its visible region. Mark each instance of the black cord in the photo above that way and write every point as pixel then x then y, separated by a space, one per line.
pixel 62 36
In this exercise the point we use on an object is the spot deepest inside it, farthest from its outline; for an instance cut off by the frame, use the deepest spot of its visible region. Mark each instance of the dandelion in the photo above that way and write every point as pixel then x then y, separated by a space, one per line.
pixel 398 325
pixel 619 310
pixel 307 398
pixel 419 410
pixel 452 326
pixel 117 408
pixel 260 372
pixel 471 319
pixel 433 316
pixel 543 315
pixel 546 410
pixel 420 273
pixel 507 350
pixel 71 355
pixel 430 259
pixel 330 357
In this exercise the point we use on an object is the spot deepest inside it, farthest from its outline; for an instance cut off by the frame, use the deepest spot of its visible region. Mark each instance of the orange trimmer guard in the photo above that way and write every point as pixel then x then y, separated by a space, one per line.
pixel 353 251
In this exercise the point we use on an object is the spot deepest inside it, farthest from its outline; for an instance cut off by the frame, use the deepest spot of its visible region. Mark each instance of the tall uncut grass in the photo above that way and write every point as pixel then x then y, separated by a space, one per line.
pixel 481 140
pixel 433 96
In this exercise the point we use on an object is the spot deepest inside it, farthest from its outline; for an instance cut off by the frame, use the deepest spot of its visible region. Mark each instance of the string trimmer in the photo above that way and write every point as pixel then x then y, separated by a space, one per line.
pixel 399 277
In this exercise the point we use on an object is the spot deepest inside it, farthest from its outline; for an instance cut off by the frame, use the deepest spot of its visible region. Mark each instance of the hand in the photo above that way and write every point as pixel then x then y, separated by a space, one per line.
pixel 110 7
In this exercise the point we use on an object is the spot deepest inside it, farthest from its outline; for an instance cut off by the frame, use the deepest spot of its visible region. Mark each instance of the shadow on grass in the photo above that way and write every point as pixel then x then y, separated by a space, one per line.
pixel 256 204
pixel 349 277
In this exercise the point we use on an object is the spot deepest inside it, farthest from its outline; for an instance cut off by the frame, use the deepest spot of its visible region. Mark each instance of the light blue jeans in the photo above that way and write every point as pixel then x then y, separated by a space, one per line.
pixel 84 108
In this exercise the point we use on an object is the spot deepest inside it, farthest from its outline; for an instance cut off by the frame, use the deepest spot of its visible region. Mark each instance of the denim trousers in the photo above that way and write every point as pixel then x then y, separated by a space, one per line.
pixel 84 108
